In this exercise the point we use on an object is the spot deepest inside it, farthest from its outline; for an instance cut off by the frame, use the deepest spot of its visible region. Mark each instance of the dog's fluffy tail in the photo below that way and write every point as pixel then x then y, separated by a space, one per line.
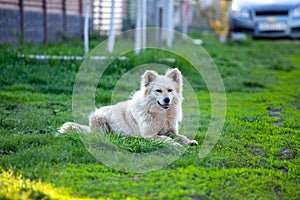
pixel 71 126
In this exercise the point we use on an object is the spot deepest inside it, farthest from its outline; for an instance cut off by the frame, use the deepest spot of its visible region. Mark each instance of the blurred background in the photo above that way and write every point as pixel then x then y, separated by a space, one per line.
pixel 41 21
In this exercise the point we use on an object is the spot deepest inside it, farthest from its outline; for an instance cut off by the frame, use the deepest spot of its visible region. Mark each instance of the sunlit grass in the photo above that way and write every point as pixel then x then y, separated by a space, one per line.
pixel 15 187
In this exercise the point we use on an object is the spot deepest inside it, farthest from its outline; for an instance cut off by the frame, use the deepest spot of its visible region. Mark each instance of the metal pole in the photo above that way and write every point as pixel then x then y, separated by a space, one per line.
pixel 111 38
pixel 185 17
pixel 86 27
pixel 170 25
pixel 144 24
pixel 137 42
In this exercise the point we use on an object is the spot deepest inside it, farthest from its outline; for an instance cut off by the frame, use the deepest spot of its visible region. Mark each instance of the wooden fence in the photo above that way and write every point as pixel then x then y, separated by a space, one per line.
pixel 40 20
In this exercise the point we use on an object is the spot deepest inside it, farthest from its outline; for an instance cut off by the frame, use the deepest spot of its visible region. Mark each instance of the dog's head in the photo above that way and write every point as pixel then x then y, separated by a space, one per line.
pixel 165 89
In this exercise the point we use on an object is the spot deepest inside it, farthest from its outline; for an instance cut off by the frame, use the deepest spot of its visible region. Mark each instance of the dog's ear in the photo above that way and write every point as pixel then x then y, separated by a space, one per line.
pixel 148 77
pixel 176 76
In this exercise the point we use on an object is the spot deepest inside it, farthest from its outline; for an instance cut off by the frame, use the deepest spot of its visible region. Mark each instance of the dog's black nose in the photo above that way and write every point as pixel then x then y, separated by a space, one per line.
pixel 167 100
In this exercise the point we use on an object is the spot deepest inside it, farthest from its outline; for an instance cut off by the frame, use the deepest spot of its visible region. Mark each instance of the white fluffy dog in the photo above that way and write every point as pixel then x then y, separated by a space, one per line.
pixel 153 112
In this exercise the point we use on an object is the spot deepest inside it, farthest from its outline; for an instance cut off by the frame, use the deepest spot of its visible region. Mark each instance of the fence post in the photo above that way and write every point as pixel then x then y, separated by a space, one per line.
pixel 45 21
pixel 21 5
pixel 64 16
pixel 80 17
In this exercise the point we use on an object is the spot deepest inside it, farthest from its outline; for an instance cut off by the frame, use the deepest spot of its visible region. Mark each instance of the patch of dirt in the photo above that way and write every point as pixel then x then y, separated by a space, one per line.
pixel 277 190
pixel 286 154
pixel 276 114
pixel 284 170
pixel 257 151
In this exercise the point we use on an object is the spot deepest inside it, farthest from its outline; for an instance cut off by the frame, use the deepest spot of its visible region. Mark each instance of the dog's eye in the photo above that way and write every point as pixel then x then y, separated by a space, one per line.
pixel 170 90
pixel 159 90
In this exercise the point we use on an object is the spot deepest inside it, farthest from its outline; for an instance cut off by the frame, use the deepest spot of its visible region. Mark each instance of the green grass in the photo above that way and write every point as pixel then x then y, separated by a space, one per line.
pixel 256 157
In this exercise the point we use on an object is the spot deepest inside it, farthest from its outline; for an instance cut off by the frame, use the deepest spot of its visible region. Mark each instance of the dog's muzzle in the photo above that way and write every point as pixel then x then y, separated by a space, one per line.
pixel 166 104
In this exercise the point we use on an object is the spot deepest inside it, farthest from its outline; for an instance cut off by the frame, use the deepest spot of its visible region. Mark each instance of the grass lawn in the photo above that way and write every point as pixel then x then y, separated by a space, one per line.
pixel 256 157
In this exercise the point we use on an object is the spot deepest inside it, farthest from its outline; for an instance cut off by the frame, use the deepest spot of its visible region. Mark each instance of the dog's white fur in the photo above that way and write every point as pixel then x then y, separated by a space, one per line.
pixel 153 112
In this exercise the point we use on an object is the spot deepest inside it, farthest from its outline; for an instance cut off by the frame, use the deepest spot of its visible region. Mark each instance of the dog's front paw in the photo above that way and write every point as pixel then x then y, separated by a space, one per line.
pixel 193 143
pixel 65 127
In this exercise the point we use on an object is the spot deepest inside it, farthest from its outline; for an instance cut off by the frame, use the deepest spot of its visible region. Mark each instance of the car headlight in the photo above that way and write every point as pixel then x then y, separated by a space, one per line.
pixel 239 12
pixel 296 12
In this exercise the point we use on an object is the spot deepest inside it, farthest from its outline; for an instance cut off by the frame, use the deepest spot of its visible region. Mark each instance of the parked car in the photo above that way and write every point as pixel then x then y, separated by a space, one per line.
pixel 266 18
